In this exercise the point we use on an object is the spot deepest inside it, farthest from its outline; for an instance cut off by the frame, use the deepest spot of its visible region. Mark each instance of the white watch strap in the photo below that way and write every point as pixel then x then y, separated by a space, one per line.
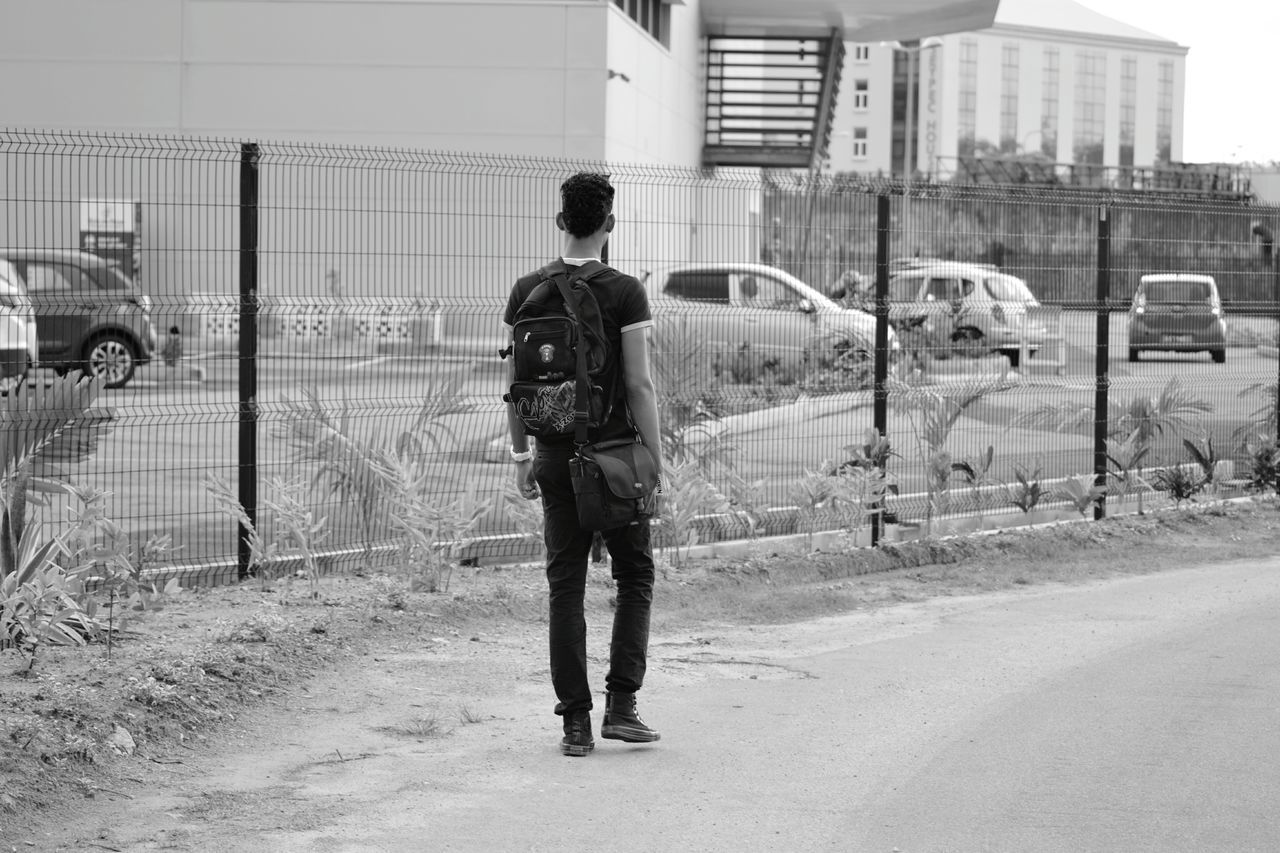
pixel 521 457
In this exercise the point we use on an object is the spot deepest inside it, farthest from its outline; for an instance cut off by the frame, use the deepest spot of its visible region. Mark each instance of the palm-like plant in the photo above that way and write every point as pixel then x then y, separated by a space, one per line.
pixel 932 413
pixel 1146 417
pixel 351 466
pixel 43 429
pixel 1264 418
pixel 684 377
pixel 1126 459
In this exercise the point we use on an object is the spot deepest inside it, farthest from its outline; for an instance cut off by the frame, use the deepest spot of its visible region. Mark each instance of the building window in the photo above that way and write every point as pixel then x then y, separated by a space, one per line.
pixel 1128 107
pixel 651 15
pixel 859 143
pixel 1009 99
pixel 861 95
pixel 1049 88
pixel 1164 112
pixel 861 52
pixel 968 102
pixel 1091 105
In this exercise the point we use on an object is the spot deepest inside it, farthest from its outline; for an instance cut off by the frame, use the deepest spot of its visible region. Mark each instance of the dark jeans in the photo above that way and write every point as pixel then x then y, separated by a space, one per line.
pixel 568 548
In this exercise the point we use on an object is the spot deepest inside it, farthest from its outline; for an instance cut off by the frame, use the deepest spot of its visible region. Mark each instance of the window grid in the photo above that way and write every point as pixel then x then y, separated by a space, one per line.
pixel 859 143
pixel 1049 88
pixel 1091 100
pixel 651 15
pixel 861 94
pixel 1128 107
pixel 968 100
pixel 1164 112
pixel 861 53
pixel 1009 61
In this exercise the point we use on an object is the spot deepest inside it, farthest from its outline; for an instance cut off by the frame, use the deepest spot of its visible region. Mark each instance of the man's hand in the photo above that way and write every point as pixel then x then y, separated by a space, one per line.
pixel 526 485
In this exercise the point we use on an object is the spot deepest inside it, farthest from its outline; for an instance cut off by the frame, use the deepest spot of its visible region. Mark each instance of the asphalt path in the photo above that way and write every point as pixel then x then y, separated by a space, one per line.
pixel 1137 714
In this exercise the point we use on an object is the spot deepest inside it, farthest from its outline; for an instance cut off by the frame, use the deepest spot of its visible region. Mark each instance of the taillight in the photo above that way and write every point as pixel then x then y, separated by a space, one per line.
pixel 1215 306
pixel 1140 303
pixel 998 312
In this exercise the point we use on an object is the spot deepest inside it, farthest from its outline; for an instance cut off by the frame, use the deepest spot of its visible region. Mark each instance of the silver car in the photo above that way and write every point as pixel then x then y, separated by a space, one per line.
pixel 759 309
pixel 985 308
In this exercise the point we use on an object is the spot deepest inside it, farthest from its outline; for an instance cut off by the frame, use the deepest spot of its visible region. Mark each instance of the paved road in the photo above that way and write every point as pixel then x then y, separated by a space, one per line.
pixel 1138 714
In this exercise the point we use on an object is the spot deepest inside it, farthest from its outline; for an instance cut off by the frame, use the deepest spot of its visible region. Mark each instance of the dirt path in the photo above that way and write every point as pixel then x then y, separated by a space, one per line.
pixel 448 742
pixel 404 735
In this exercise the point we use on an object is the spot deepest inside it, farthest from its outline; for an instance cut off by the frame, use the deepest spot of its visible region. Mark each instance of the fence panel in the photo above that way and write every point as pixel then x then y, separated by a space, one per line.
pixel 382 276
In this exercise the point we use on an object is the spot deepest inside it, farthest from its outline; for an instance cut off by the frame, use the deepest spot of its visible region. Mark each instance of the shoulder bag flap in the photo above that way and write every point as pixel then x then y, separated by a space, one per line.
pixel 628 467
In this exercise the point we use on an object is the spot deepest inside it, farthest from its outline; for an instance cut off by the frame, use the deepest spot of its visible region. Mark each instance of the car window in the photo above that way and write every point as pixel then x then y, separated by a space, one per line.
pixel 904 288
pixel 50 278
pixel 1007 288
pixel 701 286
pixel 113 278
pixel 943 288
pixel 1177 291
pixel 762 291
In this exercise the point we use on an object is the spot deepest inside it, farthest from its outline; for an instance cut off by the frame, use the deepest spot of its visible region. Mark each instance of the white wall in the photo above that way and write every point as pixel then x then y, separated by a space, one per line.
pixel 498 76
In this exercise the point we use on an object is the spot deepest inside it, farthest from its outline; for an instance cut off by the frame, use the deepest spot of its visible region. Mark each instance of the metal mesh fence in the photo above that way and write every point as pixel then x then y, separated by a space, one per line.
pixel 1020 346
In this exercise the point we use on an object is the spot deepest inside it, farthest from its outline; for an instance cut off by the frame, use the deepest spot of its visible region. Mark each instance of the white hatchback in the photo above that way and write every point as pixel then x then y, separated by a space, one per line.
pixel 986 309
pixel 19 344
pixel 756 308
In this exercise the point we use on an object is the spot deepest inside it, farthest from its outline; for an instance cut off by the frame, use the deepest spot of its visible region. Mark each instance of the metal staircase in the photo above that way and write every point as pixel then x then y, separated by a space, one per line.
pixel 770 99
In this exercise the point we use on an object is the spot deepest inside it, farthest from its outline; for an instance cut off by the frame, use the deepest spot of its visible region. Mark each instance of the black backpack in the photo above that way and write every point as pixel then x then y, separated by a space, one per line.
pixel 559 317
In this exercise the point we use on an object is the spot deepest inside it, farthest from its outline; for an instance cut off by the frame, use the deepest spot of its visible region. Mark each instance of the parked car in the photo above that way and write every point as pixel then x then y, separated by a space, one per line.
pixel 19 346
pixel 89 315
pixel 983 307
pixel 747 307
pixel 1177 312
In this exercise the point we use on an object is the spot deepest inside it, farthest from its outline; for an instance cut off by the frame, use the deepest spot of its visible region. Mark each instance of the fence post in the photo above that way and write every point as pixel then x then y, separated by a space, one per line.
pixel 880 394
pixel 247 470
pixel 1102 358
pixel 1275 296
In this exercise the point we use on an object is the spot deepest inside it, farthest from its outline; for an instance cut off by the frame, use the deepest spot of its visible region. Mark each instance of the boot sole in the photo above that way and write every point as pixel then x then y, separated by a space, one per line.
pixel 575 750
pixel 629 735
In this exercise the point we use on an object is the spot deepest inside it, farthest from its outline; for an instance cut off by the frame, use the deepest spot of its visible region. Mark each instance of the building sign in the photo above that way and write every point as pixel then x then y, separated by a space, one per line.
pixel 112 229
pixel 929 141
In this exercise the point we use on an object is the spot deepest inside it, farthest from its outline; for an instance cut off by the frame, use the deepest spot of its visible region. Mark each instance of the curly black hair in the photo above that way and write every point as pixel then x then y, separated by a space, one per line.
pixel 586 200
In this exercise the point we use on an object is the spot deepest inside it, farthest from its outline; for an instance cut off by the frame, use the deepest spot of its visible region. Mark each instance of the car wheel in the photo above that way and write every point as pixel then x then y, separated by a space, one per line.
pixel 1219 356
pixel 9 384
pixel 111 358
pixel 967 341
pixel 1133 354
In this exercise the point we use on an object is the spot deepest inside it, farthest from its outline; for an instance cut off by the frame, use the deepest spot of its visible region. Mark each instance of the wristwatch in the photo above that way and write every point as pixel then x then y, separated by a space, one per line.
pixel 521 457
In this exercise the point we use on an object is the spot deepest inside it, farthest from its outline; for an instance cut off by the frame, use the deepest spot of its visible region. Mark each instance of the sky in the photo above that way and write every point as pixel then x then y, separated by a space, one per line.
pixel 1233 80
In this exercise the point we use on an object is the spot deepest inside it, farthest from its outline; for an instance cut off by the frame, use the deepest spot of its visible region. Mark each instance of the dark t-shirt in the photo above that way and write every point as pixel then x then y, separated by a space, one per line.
pixel 623 307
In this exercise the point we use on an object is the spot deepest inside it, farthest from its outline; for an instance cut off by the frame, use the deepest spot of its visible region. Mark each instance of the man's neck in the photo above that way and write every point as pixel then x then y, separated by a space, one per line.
pixel 583 247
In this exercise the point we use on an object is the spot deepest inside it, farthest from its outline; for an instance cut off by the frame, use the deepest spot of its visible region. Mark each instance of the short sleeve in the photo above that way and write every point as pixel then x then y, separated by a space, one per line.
pixel 514 301
pixel 633 307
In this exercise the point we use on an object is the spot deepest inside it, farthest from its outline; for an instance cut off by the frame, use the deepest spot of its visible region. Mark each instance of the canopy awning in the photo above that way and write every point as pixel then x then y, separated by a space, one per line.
pixel 858 20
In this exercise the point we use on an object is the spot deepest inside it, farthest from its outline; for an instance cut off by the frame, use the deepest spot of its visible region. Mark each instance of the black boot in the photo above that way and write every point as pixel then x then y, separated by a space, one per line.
pixel 577 739
pixel 621 722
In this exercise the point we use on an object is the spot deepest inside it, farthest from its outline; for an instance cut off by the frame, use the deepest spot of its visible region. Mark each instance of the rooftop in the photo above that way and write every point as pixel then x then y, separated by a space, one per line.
pixel 1069 16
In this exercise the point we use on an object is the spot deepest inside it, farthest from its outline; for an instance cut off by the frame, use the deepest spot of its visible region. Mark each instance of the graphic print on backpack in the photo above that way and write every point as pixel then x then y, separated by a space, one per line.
pixel 545 338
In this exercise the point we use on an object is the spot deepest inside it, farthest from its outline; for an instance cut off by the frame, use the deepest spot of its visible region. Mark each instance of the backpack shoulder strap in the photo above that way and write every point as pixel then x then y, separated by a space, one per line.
pixel 589 270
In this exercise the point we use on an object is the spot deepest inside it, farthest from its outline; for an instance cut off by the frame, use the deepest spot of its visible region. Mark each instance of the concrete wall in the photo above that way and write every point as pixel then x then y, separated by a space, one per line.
pixel 492 76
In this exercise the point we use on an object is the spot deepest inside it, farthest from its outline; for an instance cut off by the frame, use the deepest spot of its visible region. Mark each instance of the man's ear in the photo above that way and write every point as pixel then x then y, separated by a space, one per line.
pixel 560 221
pixel 609 222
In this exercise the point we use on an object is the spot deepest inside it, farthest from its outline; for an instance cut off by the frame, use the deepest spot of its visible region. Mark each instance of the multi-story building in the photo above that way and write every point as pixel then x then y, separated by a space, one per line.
pixel 1051 81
